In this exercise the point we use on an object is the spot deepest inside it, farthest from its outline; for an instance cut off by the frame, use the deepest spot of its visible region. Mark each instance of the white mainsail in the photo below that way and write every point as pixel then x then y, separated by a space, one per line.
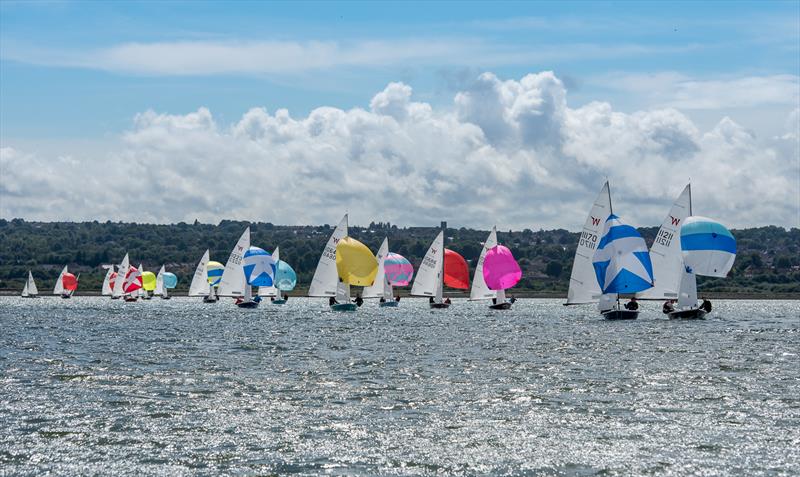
pixel 665 253
pixel 160 290
pixel 106 290
pixel 59 288
pixel 326 278
pixel 30 286
pixel 583 287
pixel 200 285
pixel 687 293
pixel 271 290
pixel 480 291
pixel 430 274
pixel 122 271
pixel 380 287
pixel 233 281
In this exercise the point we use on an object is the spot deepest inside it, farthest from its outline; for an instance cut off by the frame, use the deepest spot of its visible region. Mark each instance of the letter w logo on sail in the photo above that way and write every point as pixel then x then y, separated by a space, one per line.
pixel 674 220
pixel 595 221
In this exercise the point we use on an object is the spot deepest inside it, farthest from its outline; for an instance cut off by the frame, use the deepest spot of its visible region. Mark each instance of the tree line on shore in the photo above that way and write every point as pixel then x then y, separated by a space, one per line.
pixel 767 263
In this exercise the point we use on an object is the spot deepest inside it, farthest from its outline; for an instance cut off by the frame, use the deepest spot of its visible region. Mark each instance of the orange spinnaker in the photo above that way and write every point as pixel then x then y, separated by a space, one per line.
pixel 456 271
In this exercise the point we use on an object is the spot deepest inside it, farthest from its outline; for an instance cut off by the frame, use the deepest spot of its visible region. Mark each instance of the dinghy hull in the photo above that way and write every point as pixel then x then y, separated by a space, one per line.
pixel 500 306
pixel 279 302
pixel 248 304
pixel 438 306
pixel 620 315
pixel 207 299
pixel 692 314
pixel 390 304
pixel 344 307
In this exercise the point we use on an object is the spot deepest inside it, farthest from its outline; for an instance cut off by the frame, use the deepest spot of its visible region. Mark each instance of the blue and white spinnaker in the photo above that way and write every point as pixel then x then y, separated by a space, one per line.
pixel 259 267
pixel 621 261
pixel 708 247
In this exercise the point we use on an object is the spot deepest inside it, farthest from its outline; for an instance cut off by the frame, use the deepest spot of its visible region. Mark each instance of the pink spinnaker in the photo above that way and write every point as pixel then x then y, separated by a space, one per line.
pixel 398 270
pixel 500 270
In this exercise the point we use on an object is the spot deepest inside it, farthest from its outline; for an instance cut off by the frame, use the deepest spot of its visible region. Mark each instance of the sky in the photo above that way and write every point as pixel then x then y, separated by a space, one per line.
pixel 511 114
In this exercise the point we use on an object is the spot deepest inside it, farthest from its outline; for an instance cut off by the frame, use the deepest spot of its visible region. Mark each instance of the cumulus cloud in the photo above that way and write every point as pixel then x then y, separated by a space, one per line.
pixel 508 152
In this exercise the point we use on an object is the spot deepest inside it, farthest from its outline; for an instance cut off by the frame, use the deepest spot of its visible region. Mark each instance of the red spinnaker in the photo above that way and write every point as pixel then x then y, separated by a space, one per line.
pixel 456 270
pixel 70 282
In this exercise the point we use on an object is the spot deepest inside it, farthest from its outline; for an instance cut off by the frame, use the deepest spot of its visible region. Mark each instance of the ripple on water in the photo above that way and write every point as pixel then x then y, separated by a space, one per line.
pixel 93 386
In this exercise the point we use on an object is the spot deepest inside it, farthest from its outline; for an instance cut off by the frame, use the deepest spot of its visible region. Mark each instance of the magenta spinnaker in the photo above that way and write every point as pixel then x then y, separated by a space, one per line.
pixel 500 270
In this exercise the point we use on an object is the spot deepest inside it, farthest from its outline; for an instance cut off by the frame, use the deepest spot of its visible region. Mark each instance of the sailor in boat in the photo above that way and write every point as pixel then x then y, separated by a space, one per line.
pixel 359 300
pixel 447 301
pixel 382 300
pixel 706 306
pixel 397 298
pixel 332 301
pixel 632 305
pixel 669 307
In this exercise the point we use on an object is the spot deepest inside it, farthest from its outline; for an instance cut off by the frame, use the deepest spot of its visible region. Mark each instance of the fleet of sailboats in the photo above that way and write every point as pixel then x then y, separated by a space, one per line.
pixel 611 262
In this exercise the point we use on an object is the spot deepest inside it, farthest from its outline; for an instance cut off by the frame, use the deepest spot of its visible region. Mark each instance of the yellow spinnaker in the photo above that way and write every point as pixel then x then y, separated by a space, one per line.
pixel 149 281
pixel 355 262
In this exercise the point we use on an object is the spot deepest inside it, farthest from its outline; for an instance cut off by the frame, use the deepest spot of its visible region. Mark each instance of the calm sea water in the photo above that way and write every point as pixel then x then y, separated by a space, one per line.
pixel 94 386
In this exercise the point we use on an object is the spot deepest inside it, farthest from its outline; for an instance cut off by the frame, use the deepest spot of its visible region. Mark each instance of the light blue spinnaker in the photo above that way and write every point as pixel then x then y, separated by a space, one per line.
pixel 708 247
pixel 285 277
pixel 621 261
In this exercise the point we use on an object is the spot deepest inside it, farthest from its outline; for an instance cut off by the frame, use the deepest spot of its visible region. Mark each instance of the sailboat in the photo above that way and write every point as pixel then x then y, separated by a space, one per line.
pixel 30 290
pixel 236 279
pixel 586 278
pixel 107 288
pixel 381 288
pixel 440 267
pixel 148 283
pixel 686 246
pixel 127 282
pixel 164 281
pixel 202 282
pixel 497 271
pixel 285 280
pixel 344 262
pixel 66 284
pixel 259 270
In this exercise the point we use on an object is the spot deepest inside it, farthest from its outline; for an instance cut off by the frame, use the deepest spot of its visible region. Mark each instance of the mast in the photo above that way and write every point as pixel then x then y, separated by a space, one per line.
pixel 690 198
pixel 610 207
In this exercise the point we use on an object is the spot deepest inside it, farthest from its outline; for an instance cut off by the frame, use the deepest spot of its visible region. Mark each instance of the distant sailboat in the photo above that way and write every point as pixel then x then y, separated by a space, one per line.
pixel 148 283
pixel 596 262
pixel 127 282
pixel 202 284
pixel 285 280
pixel 30 290
pixel 381 288
pixel 440 267
pixel 708 249
pixel 107 289
pixel 236 281
pixel 164 281
pixel 259 271
pixel 66 284
pixel 497 271
pixel 119 278
pixel 344 262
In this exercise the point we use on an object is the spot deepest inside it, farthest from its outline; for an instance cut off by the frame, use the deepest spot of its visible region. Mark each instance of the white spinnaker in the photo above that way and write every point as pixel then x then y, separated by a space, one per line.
pixel 32 290
pixel 583 287
pixel 480 291
pixel 271 290
pixel 687 295
pixel 665 253
pixel 106 290
pixel 59 288
pixel 428 281
pixel 379 286
pixel 122 271
pixel 233 280
pixel 200 285
pixel 160 282
pixel 326 277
